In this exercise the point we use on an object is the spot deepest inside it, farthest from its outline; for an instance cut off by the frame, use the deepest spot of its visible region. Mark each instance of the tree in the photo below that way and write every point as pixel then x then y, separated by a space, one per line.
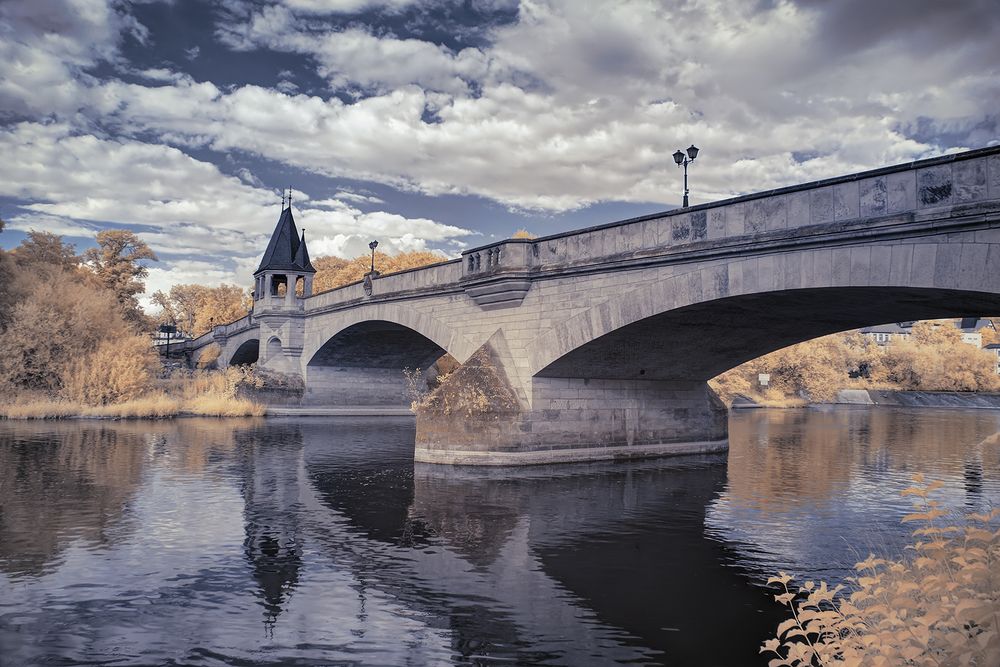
pixel 936 332
pixel 332 272
pixel 195 309
pixel 116 263
pixel 45 252
pixel 10 285
pixel 221 305
pixel 180 306
pixel 990 335
pixel 524 234
pixel 62 320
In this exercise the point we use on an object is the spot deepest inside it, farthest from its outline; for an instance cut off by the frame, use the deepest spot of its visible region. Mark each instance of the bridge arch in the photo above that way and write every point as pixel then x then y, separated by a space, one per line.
pixel 695 324
pixel 365 364
pixel 247 353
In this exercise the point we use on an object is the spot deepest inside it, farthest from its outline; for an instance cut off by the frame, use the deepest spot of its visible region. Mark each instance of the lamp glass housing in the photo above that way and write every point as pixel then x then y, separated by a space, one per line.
pixel 692 152
pixel 679 157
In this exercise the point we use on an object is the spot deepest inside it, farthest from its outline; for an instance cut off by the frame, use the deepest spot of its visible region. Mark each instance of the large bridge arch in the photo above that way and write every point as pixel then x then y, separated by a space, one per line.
pixel 695 324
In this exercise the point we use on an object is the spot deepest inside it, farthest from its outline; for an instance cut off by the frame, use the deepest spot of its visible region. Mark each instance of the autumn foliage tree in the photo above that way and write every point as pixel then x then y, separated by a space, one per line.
pixel 61 321
pixel 813 370
pixel 44 253
pixel 117 265
pixel 934 358
pixel 195 309
pixel 332 272
pixel 60 318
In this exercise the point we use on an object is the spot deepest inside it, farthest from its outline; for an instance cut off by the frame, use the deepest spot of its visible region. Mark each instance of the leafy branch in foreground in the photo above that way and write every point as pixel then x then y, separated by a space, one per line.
pixel 939 605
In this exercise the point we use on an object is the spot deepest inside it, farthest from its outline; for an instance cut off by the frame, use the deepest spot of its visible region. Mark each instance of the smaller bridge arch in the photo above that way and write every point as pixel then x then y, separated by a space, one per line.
pixel 364 364
pixel 248 352
pixel 322 328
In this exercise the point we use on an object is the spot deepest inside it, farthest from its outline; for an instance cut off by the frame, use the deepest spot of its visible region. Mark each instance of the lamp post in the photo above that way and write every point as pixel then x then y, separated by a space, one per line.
pixel 373 245
pixel 168 330
pixel 683 161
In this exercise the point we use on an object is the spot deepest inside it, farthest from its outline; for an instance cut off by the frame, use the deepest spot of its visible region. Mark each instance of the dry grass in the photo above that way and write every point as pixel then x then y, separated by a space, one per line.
pixel 208 394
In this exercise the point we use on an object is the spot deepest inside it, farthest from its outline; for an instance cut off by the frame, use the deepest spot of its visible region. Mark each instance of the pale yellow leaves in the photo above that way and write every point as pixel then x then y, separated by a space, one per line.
pixel 940 606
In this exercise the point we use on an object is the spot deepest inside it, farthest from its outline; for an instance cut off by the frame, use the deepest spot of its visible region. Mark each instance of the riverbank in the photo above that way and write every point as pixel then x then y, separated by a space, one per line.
pixel 150 407
pixel 199 394
pixel 884 398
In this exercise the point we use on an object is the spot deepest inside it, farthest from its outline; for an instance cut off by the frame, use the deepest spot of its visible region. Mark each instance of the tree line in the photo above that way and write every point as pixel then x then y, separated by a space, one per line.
pixel 932 358
pixel 71 325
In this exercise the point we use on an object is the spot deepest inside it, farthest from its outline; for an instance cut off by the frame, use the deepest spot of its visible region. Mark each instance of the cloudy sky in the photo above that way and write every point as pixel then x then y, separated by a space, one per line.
pixel 443 124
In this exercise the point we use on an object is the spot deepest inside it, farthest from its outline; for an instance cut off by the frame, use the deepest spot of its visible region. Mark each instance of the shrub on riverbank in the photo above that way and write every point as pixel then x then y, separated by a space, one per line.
pixel 939 605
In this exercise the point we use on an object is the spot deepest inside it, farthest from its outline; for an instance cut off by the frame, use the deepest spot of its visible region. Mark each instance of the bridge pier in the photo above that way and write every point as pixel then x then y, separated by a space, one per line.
pixel 479 417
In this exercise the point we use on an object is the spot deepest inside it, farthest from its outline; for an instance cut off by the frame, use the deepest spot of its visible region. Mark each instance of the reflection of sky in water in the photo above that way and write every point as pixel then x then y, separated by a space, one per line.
pixel 210 542
pixel 863 470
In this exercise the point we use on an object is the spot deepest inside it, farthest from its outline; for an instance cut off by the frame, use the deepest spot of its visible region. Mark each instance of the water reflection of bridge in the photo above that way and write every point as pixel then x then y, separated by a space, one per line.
pixel 540 561
pixel 588 563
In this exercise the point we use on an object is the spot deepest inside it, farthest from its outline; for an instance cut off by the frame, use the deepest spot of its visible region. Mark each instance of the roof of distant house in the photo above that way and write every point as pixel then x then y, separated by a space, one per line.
pixel 974 324
pixel 892 328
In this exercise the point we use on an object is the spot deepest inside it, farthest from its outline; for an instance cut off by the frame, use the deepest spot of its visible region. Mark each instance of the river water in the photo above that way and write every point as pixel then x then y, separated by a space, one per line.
pixel 319 542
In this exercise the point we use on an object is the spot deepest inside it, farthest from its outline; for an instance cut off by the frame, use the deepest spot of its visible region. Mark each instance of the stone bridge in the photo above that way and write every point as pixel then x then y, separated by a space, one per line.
pixel 600 341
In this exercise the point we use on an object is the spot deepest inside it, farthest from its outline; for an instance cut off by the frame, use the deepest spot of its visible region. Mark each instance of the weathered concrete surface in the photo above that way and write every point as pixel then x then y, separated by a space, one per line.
pixel 606 336
pixel 933 399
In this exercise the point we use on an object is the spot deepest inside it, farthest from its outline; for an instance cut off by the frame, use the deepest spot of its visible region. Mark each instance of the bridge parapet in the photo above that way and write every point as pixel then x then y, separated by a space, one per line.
pixel 499 275
pixel 897 192
pixel 233 328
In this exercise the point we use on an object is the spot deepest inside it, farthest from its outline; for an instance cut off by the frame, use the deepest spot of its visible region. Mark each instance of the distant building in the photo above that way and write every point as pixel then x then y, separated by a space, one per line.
pixel 995 349
pixel 970 327
pixel 883 334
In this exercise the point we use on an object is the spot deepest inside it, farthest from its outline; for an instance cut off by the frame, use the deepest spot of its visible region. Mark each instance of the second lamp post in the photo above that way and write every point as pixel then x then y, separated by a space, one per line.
pixel 683 161
pixel 373 245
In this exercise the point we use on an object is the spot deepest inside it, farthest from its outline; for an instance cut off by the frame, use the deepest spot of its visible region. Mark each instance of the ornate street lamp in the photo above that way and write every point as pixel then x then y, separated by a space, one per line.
pixel 684 161
pixel 373 245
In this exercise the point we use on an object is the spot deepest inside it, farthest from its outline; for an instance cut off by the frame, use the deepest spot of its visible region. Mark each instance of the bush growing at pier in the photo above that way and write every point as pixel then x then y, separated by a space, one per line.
pixel 940 605
pixel 477 387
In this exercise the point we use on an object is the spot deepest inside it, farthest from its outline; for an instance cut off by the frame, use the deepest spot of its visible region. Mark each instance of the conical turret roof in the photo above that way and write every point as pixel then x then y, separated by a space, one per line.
pixel 286 251
pixel 302 255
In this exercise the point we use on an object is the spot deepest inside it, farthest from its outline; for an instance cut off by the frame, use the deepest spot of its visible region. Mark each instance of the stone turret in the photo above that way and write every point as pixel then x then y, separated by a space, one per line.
pixel 281 284
pixel 284 265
